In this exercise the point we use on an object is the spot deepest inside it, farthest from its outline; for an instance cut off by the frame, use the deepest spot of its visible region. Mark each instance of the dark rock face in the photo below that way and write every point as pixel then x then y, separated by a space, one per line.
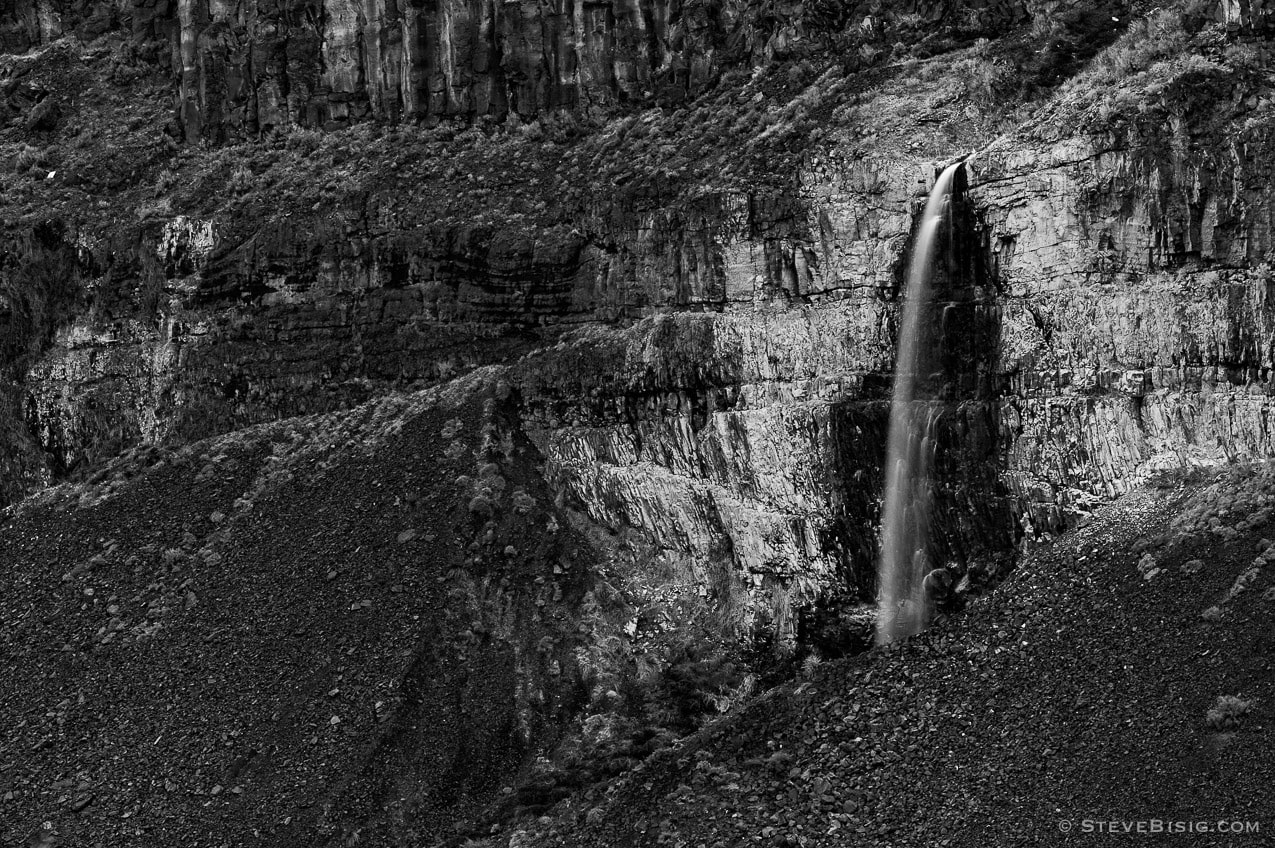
pixel 559 420
pixel 245 67
pixel 29 23
pixel 742 420
pixel 694 370
pixel 1153 360
pixel 40 283
pixel 709 371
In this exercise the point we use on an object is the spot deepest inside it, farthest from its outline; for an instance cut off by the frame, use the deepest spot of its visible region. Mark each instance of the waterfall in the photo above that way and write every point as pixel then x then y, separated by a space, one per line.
pixel 909 453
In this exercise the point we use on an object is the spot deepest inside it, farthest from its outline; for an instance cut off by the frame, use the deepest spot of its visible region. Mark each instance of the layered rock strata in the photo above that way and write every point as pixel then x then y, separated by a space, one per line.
pixel 712 373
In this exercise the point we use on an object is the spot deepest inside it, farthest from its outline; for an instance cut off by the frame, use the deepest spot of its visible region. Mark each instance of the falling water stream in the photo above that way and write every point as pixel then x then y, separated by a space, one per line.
pixel 904 522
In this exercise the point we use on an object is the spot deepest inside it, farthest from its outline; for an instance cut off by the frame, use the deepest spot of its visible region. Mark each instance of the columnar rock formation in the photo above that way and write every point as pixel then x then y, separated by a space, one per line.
pixel 245 67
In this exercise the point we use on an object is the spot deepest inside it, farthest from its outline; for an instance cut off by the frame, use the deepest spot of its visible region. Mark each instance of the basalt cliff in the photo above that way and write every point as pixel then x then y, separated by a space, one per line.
pixel 648 257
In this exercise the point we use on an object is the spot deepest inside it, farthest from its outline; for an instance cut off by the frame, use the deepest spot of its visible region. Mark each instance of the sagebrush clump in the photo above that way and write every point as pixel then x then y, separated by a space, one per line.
pixel 1228 713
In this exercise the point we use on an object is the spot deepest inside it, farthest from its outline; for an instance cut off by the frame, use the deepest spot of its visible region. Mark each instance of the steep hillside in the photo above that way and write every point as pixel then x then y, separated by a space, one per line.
pixel 1085 691
pixel 350 623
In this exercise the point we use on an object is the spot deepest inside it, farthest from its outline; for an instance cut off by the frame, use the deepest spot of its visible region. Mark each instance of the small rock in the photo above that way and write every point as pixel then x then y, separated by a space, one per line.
pixel 44 116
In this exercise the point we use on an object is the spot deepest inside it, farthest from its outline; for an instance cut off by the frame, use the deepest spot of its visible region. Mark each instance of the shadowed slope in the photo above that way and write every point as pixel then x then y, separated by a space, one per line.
pixel 279 633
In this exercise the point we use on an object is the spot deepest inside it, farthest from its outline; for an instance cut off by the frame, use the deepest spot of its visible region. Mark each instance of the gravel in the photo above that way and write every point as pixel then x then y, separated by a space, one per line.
pixel 317 678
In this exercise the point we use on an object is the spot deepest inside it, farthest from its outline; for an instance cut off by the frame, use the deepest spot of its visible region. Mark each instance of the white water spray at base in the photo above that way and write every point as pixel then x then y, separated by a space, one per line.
pixel 904 522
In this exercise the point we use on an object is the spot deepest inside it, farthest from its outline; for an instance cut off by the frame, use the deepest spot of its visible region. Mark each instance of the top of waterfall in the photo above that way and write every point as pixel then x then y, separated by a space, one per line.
pixel 942 188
